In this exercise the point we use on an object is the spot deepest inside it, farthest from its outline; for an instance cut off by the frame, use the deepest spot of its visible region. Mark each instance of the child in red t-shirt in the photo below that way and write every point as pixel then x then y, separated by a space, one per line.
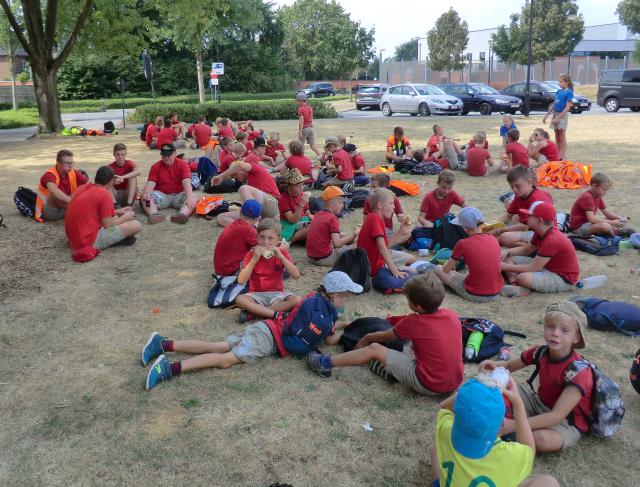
pixel 439 146
pixel 515 153
pixel 360 177
pixel 125 183
pixel 236 240
pixel 583 220
pixel 435 335
pixel 293 204
pixel 339 169
pixel 403 234
pixel 479 161
pixel 168 135
pixel 297 160
pixel 481 254
pixel 438 202
pixel 274 149
pixel 263 268
pixel 558 412
pixel 201 132
pixel 541 149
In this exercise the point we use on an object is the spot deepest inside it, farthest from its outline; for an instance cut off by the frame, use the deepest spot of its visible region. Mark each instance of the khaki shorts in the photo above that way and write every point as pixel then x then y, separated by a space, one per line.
pixel 456 283
pixel 308 135
pixel 51 213
pixel 108 237
pixel 534 406
pixel 545 281
pixel 400 258
pixel 267 298
pixel 330 259
pixel 562 124
pixel 269 207
pixel 256 342
pixel 584 230
pixel 176 200
pixel 403 368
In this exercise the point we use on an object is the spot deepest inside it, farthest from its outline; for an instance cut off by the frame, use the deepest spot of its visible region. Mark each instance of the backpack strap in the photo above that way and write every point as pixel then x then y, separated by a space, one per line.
pixel 536 359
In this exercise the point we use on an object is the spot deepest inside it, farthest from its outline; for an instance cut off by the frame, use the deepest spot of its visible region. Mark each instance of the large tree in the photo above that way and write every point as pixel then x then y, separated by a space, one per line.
pixel 407 51
pixel 509 43
pixel 9 42
pixel 447 41
pixel 629 14
pixel 322 41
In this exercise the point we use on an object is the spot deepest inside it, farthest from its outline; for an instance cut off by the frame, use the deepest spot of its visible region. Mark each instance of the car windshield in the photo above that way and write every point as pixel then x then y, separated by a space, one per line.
pixel 484 89
pixel 555 84
pixel 369 90
pixel 428 90
pixel 548 87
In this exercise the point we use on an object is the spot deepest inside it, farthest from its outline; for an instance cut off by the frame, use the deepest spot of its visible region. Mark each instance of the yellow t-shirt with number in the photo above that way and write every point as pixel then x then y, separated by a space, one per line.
pixel 506 465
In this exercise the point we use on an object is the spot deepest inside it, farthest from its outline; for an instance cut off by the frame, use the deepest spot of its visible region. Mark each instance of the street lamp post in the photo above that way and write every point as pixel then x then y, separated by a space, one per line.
pixel 571 18
pixel 380 67
pixel 527 96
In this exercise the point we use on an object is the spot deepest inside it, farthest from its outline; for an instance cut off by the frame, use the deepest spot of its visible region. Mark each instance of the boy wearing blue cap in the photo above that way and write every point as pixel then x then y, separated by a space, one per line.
pixel 468 451
pixel 236 240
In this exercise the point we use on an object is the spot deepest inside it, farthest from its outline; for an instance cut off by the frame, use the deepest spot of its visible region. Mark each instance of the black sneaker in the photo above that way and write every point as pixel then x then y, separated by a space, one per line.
pixel 377 368
pixel 245 316
pixel 313 362
pixel 625 232
pixel 127 242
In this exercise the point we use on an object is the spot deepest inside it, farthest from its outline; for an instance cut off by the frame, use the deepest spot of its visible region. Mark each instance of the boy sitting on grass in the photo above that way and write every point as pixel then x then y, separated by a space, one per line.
pixel 558 413
pixel 434 332
pixel 339 169
pixel 274 149
pixel 438 202
pixel 442 148
pixel 515 154
pixel 468 450
pixel 481 254
pixel 479 161
pixel 263 268
pixel 236 240
pixel 125 184
pixel 309 324
pixel 404 233
pixel 360 177
pixel 386 277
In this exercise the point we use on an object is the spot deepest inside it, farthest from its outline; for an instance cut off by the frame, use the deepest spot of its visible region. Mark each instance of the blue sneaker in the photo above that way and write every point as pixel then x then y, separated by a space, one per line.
pixel 315 364
pixel 153 348
pixel 160 371
pixel 505 196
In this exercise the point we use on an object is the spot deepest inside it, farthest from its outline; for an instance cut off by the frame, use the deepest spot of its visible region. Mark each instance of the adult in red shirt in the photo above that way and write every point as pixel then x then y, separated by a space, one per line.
pixel 92 224
pixel 236 240
pixel 541 148
pixel 125 184
pixel 305 123
pixel 294 208
pixel 168 186
pixel 481 254
pixel 555 267
pixel 201 133
pixel 168 135
pixel 151 136
pixel 438 202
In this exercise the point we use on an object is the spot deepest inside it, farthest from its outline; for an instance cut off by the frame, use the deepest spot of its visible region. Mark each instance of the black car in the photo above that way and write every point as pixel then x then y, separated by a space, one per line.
pixel 369 96
pixel 542 95
pixel 619 88
pixel 580 103
pixel 319 89
pixel 478 97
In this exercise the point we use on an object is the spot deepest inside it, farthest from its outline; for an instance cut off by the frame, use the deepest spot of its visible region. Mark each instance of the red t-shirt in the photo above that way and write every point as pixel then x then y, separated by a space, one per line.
pixel 357 162
pixel 477 161
pixel 341 158
pixel 83 218
pixel 249 145
pixel 561 252
pixel 525 203
pixel 166 136
pixel 550 151
pixel 64 184
pixel 302 163
pixel 274 149
pixel 129 166
pixel 258 177
pixel 268 274
pixel 519 154
pixel 553 381
pixel 319 243
pixel 585 202
pixel 432 144
pixel 372 228
pixel 169 179
pixel 225 158
pixel 437 346
pixel 472 144
pixel 306 112
pixel 202 134
pixel 251 157
pixel 152 131
pixel 481 253
pixel 286 202
pixel 435 208
pixel 388 222
pixel 233 243
pixel 226 132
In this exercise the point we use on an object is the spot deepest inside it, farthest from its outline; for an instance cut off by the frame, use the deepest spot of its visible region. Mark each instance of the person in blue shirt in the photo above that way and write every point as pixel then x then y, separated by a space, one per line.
pixel 508 123
pixel 560 108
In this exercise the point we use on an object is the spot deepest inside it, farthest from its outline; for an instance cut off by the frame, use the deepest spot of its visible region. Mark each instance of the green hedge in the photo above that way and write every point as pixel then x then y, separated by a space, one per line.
pixel 251 110
pixel 26 117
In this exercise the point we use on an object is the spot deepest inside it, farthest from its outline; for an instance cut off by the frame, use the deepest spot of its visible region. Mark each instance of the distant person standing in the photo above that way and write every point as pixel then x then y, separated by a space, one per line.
pixel 560 109
pixel 305 123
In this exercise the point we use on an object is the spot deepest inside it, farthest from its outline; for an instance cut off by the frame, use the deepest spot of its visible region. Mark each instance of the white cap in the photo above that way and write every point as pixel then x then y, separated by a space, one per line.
pixel 340 282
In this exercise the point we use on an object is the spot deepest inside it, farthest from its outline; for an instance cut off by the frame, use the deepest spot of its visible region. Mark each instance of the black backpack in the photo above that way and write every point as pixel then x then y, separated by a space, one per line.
pixel 25 200
pixel 445 234
pixel 109 127
pixel 143 132
pixel 356 199
pixel 360 327
pixel 226 186
pixel 599 245
pixel 355 263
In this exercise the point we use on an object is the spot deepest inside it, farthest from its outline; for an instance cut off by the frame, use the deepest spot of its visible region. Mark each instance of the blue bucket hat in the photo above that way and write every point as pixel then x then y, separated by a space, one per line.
pixel 251 209
pixel 478 414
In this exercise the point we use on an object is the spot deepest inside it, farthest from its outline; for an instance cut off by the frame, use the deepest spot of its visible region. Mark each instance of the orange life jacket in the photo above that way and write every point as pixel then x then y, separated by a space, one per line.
pixel 381 169
pixel 43 193
pixel 564 175
pixel 405 188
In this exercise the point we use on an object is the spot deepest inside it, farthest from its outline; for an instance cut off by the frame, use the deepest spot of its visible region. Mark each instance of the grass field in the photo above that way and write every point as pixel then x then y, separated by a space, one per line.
pixel 71 386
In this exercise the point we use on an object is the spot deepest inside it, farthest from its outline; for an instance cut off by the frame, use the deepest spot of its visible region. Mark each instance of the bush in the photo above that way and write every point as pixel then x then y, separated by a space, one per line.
pixel 250 110
pixel 10 119
pixel 5 106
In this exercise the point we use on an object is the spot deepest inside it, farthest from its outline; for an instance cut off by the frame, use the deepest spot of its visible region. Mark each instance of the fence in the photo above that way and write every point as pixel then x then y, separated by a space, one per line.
pixel 24 92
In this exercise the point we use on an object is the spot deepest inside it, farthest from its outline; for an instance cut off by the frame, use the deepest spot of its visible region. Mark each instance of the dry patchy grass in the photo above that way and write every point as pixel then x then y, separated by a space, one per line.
pixel 74 410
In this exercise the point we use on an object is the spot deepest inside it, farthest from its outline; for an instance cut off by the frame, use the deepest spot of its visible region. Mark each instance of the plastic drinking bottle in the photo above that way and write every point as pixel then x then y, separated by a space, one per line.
pixel 473 344
pixel 500 376
pixel 504 354
pixel 592 282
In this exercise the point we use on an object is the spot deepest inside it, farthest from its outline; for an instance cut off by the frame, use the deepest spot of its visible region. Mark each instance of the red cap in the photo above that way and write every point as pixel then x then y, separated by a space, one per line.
pixel 541 209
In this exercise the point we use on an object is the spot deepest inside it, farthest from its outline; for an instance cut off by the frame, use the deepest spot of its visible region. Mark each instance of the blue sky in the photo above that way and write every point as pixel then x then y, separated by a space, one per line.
pixel 411 18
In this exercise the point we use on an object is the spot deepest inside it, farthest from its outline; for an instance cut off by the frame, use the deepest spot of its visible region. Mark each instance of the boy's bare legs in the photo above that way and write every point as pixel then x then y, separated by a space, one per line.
pixel 200 347
pixel 226 219
pixel 132 189
pixel 540 481
pixel 300 235
pixel 210 360
pixel 547 440
pixel 247 303
pixel 445 277
pixel 511 239
pixel 435 466
pixel 361 356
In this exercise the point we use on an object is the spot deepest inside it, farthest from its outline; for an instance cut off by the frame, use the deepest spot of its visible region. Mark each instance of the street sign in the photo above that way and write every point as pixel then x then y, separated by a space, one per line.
pixel 217 68
pixel 214 81
pixel 212 75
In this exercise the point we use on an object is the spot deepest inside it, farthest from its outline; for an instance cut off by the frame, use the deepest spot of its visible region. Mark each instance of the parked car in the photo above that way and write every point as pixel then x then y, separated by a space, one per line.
pixel 478 97
pixel 619 88
pixel 580 103
pixel 319 89
pixel 419 99
pixel 541 95
pixel 369 96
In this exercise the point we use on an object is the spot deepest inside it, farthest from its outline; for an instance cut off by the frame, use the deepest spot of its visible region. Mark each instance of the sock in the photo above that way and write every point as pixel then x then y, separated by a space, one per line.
pixel 176 368
pixel 325 361
pixel 167 345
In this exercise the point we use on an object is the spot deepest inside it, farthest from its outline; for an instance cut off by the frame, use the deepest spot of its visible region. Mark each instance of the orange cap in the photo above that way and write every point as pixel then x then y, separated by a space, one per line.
pixel 331 192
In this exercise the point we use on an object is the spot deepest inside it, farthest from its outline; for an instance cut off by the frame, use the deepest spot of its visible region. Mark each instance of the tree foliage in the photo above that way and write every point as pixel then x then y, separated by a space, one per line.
pixel 407 51
pixel 629 14
pixel 321 41
pixel 446 42
pixel 510 43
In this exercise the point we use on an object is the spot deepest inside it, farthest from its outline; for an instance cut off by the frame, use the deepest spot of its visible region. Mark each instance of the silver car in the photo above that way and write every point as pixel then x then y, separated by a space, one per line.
pixel 419 99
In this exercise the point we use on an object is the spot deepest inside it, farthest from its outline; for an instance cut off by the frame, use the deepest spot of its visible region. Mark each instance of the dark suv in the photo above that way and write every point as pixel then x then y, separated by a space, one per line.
pixel 541 94
pixel 369 96
pixel 319 89
pixel 478 97
pixel 619 88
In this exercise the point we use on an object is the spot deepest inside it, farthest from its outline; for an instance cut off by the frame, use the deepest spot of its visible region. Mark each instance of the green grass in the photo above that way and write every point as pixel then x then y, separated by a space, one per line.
pixel 24 117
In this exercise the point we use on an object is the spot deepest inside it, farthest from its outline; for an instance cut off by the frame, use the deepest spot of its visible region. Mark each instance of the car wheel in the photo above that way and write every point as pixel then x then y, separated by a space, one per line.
pixel 577 112
pixel 332 93
pixel 423 110
pixel 358 107
pixel 313 95
pixel 635 109
pixel 485 109
pixel 611 104
pixel 465 112
pixel 386 110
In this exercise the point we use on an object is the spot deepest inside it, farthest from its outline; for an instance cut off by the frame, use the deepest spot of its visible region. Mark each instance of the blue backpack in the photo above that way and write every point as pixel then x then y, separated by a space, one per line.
pixel 599 245
pixel 493 339
pixel 610 315
pixel 206 169
pixel 311 324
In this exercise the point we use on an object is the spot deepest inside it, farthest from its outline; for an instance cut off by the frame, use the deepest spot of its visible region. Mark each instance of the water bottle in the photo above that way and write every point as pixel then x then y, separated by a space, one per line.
pixel 504 354
pixel 592 282
pixel 473 345
pixel 423 252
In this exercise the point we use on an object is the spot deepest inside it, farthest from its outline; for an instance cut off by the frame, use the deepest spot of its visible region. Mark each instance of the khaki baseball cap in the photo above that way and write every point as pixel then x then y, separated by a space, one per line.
pixel 331 141
pixel 572 310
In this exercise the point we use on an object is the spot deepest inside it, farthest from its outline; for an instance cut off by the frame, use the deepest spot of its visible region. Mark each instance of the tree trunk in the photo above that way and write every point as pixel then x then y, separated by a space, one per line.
pixel 45 84
pixel 14 98
pixel 510 71
pixel 544 70
pixel 201 94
